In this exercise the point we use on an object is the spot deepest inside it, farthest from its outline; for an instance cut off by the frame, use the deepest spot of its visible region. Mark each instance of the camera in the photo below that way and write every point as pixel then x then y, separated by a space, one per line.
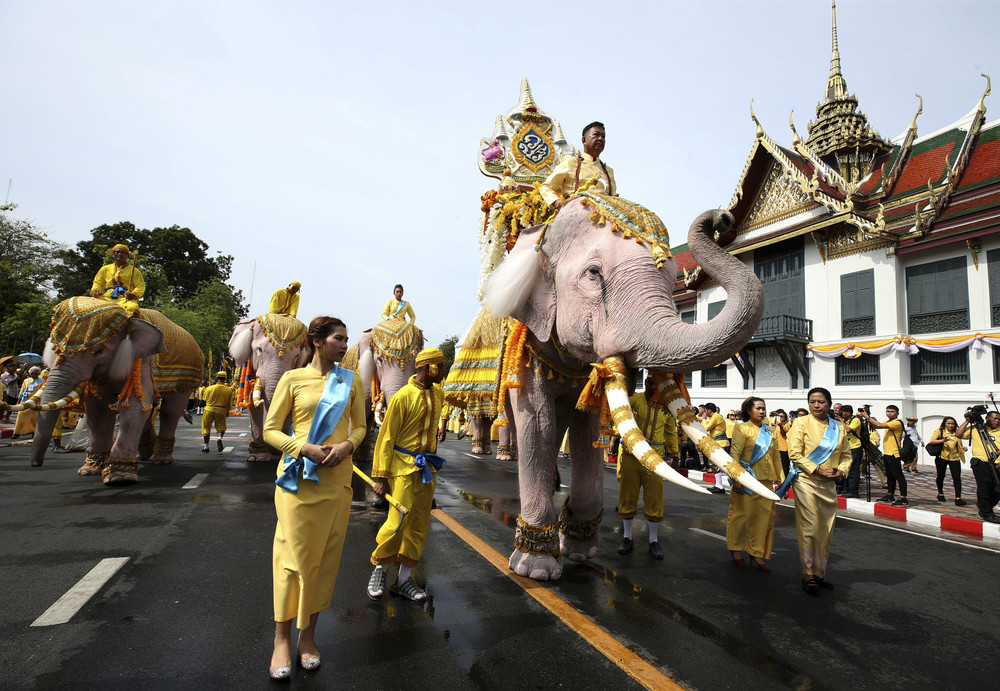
pixel 974 414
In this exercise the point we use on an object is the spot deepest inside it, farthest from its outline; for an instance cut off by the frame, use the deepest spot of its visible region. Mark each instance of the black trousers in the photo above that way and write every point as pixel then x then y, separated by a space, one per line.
pixel 987 491
pixel 956 474
pixel 785 461
pixel 894 474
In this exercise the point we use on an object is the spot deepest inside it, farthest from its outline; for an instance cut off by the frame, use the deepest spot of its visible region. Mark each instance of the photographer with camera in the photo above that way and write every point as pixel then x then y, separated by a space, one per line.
pixel 894 432
pixel 985 455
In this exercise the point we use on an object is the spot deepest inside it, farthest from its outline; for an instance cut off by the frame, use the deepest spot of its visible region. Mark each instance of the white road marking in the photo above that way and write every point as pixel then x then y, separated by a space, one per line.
pixel 911 532
pixel 708 533
pixel 63 609
pixel 227 449
pixel 472 455
pixel 195 482
pixel 242 434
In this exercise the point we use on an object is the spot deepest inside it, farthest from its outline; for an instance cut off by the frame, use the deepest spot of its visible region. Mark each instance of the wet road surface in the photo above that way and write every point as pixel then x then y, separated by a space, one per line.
pixel 191 607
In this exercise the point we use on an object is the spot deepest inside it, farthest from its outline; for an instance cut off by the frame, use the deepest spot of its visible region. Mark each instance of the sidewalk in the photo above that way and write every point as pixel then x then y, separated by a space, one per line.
pixel 924 508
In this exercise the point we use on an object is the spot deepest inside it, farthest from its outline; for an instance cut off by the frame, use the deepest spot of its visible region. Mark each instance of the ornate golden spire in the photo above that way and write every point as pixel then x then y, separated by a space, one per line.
pixel 526 103
pixel 841 135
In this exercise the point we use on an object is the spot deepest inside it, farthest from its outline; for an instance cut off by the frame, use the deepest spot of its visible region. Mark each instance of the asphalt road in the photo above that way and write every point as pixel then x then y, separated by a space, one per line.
pixel 191 606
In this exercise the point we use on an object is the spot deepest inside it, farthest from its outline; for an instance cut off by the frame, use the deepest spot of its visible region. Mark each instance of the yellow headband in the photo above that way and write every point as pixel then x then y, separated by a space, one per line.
pixel 119 246
pixel 221 374
pixel 295 283
pixel 429 356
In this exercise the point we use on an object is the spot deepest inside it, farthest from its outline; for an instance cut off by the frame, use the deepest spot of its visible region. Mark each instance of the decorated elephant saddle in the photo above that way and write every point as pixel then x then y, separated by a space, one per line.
pixel 181 366
pixel 396 340
pixel 283 331
pixel 80 323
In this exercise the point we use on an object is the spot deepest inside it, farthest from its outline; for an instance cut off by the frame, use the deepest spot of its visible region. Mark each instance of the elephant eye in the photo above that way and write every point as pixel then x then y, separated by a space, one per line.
pixel 594 271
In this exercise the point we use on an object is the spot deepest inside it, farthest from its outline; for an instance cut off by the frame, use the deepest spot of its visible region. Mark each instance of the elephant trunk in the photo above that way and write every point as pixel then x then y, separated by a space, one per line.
pixel 675 346
pixel 59 384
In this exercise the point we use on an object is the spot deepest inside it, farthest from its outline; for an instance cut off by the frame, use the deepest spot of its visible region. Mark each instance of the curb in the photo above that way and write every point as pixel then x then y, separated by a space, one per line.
pixel 5 433
pixel 967 526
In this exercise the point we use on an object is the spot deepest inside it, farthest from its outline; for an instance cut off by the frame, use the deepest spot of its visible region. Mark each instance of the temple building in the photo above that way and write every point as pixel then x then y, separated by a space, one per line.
pixel 879 258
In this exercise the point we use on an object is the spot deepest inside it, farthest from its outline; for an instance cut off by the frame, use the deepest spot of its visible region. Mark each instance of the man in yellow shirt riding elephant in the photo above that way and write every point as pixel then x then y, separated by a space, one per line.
pixel 119 282
pixel 571 171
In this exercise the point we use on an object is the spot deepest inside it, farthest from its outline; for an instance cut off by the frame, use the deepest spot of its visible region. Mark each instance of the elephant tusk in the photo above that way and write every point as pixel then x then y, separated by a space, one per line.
pixel 378 413
pixel 684 415
pixel 31 403
pixel 632 437
pixel 256 396
pixel 57 405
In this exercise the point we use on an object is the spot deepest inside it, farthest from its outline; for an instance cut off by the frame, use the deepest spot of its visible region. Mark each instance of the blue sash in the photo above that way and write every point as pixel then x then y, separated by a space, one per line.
pixel 117 292
pixel 329 410
pixel 818 455
pixel 759 450
pixel 402 306
pixel 30 389
pixel 421 460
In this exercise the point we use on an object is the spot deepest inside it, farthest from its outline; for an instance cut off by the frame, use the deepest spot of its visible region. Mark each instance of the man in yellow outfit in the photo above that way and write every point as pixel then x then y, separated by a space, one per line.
pixel 660 430
pixel 397 307
pixel 119 282
pixel 572 171
pixel 286 300
pixel 217 398
pixel 404 465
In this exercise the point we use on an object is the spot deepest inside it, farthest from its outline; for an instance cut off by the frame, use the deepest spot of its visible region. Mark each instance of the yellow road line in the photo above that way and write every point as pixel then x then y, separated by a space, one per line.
pixel 636 667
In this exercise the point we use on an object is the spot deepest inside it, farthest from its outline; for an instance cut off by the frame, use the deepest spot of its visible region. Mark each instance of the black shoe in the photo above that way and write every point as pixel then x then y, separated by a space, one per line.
pixel 990 519
pixel 205 450
pixel 654 550
pixel 960 502
pixel 716 490
pixel 381 504
pixel 811 586
pixel 824 584
pixel 940 497
pixel 886 499
pixel 626 546
pixel 187 416
pixel 901 502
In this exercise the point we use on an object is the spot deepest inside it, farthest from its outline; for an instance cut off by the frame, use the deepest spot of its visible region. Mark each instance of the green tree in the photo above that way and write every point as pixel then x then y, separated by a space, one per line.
pixel 27 264
pixel 26 327
pixel 447 347
pixel 178 252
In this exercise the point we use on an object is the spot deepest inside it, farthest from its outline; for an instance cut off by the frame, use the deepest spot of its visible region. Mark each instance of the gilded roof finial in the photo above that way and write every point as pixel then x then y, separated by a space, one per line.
pixel 760 130
pixel 982 107
pixel 836 87
pixel 791 123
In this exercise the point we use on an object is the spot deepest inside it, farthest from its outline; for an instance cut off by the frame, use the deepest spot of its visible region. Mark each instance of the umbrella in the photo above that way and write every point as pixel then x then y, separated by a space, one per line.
pixel 30 358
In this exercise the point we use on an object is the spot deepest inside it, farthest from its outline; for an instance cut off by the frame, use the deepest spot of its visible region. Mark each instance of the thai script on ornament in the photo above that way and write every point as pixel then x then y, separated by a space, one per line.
pixel 533 147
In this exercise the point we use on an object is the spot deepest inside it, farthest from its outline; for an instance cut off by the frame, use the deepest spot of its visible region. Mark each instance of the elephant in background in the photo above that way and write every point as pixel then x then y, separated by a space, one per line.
pixel 119 362
pixel 587 291
pixel 272 343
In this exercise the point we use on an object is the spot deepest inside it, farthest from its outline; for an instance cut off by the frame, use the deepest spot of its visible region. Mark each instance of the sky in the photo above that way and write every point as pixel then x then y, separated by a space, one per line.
pixel 335 143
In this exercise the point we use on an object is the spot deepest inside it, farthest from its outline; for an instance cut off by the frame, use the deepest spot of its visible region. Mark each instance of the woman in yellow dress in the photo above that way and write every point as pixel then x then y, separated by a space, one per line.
pixel 313 494
pixel 750 527
pixel 397 307
pixel 952 456
pixel 821 455
pixel 780 429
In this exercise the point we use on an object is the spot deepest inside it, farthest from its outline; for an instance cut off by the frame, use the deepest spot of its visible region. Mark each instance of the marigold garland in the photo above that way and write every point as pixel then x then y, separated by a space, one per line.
pixel 513 357
pixel 133 387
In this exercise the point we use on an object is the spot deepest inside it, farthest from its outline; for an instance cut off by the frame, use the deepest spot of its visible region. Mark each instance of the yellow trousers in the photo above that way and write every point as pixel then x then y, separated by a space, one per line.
pixel 405 543
pixel 815 513
pixel 633 477
pixel 750 526
pixel 210 418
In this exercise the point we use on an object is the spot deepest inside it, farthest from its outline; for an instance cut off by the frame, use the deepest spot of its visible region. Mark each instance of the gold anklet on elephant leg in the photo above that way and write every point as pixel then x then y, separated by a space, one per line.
pixel 577 529
pixel 124 465
pixel 541 540
pixel 96 460
pixel 257 446
pixel 162 446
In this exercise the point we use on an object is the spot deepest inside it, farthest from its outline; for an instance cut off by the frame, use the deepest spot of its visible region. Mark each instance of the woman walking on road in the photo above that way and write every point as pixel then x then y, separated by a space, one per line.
pixel 313 494
pixel 951 456
pixel 750 526
pixel 821 456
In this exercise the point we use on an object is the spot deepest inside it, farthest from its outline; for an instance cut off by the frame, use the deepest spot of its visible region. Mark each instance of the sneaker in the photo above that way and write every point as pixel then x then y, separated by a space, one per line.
pixel 218 445
pixel 716 490
pixel 901 502
pixel 376 584
pixel 991 518
pixel 886 499
pixel 408 589
pixel 940 497
pixel 204 449
pixel 960 502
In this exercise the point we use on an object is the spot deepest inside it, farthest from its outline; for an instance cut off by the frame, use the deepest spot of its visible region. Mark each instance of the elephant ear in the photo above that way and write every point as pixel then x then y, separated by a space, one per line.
pixel 521 287
pixel 242 340
pixel 146 338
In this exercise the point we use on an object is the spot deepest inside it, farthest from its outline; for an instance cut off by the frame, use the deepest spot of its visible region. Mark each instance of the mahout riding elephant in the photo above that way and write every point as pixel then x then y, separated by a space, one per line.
pixel 119 363
pixel 596 285
pixel 272 342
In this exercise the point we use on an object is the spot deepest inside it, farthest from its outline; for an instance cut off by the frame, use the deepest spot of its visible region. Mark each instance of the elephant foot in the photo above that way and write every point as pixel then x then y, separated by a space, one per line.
pixel 259 458
pixel 88 470
pixel 539 567
pixel 503 457
pixel 576 550
pixel 162 460
pixel 482 450
pixel 120 478
pixel 578 537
